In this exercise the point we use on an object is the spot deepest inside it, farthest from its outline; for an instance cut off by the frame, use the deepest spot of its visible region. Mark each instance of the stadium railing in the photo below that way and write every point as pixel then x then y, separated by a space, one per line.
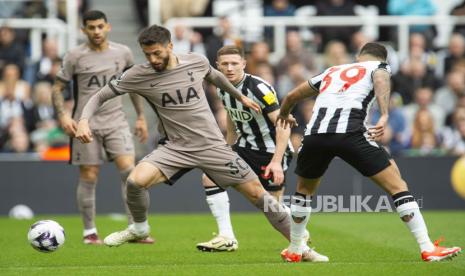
pixel 65 32
pixel 279 25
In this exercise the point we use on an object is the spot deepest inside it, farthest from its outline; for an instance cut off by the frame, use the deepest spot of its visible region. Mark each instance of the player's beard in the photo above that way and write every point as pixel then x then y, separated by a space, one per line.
pixel 163 65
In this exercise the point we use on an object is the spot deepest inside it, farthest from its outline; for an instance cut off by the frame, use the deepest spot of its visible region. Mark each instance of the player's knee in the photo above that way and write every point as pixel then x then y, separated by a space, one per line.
pixel 137 179
pixel 89 173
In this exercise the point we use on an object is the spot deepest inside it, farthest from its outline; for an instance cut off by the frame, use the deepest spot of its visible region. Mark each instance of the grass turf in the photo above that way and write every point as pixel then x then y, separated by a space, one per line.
pixel 357 244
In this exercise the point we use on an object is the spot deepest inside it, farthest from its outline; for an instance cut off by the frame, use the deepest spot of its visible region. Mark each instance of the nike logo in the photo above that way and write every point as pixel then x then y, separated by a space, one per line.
pixel 155 84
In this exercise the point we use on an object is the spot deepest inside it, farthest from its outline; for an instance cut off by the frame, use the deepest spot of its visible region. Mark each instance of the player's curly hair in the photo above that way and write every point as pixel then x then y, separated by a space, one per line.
pixel 154 35
pixel 374 49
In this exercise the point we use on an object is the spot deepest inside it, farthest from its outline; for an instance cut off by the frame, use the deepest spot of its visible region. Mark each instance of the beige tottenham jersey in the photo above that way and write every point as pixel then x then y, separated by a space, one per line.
pixel 90 71
pixel 178 98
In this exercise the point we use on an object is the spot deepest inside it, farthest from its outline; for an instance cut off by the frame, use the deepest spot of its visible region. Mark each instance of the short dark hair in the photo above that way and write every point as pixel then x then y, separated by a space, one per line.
pixel 154 35
pixel 374 49
pixel 93 15
pixel 230 50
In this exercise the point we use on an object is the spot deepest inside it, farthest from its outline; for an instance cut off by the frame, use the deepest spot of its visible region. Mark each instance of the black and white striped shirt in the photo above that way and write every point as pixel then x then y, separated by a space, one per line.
pixel 346 94
pixel 255 131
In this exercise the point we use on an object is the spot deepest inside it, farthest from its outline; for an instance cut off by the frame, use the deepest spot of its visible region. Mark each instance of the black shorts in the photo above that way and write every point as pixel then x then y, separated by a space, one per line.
pixel 258 161
pixel 318 150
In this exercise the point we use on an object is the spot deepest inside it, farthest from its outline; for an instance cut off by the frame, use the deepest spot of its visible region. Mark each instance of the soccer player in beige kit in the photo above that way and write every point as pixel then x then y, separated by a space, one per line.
pixel 90 66
pixel 172 84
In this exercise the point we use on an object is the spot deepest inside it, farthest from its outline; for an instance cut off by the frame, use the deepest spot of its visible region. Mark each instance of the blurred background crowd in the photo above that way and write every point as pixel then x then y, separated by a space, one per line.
pixel 427 108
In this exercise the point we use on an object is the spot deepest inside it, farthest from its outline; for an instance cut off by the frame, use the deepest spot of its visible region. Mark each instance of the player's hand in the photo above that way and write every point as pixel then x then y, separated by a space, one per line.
pixel 68 125
pixel 376 132
pixel 277 170
pixel 284 122
pixel 83 132
pixel 140 129
pixel 250 104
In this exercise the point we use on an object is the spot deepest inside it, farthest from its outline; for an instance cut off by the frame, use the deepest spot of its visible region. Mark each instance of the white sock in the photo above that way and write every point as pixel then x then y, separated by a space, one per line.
pixel 90 231
pixel 409 212
pixel 302 210
pixel 219 206
pixel 140 228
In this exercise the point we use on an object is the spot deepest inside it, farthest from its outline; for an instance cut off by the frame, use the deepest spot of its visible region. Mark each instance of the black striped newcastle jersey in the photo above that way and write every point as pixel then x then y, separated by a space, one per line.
pixel 255 131
pixel 346 94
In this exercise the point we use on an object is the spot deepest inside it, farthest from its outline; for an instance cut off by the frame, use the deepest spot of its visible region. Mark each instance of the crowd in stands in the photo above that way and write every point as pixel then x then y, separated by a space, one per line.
pixel 427 106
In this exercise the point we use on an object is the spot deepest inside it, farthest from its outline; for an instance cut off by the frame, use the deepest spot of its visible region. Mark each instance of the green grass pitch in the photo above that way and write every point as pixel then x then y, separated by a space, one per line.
pixel 357 244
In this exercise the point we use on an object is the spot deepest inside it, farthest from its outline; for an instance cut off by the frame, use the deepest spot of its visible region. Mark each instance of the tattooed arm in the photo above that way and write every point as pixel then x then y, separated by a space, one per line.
pixel 382 86
pixel 65 120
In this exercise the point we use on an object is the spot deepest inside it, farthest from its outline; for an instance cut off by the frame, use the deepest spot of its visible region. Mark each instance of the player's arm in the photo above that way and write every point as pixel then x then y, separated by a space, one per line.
pixel 64 118
pixel 231 135
pixel 304 90
pixel 216 78
pixel 282 140
pixel 140 128
pixel 83 132
pixel 382 87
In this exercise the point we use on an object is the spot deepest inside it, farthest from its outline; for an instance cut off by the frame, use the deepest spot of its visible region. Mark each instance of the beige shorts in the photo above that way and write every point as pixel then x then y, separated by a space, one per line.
pixel 106 146
pixel 220 163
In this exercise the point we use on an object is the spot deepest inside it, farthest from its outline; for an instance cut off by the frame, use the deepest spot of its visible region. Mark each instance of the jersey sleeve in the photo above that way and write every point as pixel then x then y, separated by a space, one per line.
pixel 315 81
pixel 125 83
pixel 129 59
pixel 67 69
pixel 382 66
pixel 266 96
pixel 206 67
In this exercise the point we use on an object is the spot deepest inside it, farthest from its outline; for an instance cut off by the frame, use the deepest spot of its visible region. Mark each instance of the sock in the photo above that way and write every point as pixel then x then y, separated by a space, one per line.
pixel 300 215
pixel 218 201
pixel 88 232
pixel 138 202
pixel 140 228
pixel 409 212
pixel 124 176
pixel 275 213
pixel 85 196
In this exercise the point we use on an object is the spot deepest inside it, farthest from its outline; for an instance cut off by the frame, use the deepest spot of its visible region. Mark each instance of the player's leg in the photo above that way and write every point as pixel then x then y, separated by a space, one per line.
pixel 125 164
pixel 85 196
pixel 218 202
pixel 142 177
pixel 88 157
pixel 373 161
pixel 407 207
pixel 312 162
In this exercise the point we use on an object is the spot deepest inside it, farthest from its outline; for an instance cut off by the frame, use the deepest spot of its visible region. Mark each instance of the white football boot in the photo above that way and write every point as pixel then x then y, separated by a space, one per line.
pixel 219 243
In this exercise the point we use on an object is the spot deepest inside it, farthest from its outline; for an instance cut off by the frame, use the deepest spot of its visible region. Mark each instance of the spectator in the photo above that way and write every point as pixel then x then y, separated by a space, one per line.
pixel 277 8
pixel 454 53
pixel 295 75
pixel 414 7
pixel 335 54
pixel 392 139
pixel 182 8
pixel 265 71
pixel 413 74
pixel 423 100
pixel 259 53
pixel 40 70
pixel 223 35
pixel 342 33
pixel 424 139
pixel 446 97
pixel 43 115
pixel 296 52
pixel 418 49
pixel 10 50
pixel 11 82
pixel 459 10
pixel 185 40
pixel 454 137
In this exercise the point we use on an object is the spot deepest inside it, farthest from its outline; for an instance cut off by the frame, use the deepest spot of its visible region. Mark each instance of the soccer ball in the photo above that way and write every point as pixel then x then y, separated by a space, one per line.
pixel 46 236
